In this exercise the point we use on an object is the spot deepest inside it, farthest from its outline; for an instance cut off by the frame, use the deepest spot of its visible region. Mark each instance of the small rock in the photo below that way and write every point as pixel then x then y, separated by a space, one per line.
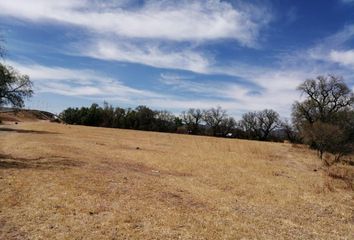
pixel 137 148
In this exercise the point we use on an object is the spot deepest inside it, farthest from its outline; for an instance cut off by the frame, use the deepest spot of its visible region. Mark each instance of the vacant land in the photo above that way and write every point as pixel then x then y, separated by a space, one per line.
pixel 73 182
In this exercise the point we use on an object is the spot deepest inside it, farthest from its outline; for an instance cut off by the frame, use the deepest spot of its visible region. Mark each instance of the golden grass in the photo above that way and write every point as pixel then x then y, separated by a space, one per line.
pixel 74 182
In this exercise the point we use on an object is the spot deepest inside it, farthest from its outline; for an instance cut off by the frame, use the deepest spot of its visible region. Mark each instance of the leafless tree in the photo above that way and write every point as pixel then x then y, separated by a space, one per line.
pixel 260 124
pixel 325 118
pixel 227 125
pixel 291 133
pixel 324 97
pixel 192 118
pixel 213 118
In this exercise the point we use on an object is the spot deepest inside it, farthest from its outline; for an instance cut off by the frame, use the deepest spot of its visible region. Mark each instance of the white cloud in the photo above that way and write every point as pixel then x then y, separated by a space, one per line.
pixel 83 83
pixel 169 20
pixel 343 57
pixel 150 33
pixel 322 50
pixel 277 90
pixel 78 82
pixel 147 54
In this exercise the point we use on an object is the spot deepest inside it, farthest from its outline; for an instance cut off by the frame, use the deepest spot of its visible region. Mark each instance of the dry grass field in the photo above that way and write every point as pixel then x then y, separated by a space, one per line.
pixel 74 182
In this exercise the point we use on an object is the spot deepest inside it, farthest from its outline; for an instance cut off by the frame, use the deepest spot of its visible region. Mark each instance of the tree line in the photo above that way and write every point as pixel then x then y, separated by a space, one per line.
pixel 214 121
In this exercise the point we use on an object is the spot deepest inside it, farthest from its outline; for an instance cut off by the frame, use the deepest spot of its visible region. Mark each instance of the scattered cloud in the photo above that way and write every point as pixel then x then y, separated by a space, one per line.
pixel 276 90
pixel 77 82
pixel 83 83
pixel 162 34
pixel 174 20
pixel 322 50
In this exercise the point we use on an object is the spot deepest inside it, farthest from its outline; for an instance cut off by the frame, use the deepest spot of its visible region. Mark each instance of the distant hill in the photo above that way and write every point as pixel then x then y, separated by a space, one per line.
pixel 25 115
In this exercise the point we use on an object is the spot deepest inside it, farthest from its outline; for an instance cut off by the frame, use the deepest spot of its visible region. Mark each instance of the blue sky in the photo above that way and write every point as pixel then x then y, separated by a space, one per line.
pixel 174 55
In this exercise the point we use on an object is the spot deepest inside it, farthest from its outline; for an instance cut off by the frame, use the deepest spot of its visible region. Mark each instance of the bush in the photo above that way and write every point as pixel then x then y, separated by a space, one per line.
pixel 325 137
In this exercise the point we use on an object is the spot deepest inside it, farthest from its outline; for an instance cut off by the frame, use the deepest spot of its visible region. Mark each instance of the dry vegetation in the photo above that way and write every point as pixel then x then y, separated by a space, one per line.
pixel 73 182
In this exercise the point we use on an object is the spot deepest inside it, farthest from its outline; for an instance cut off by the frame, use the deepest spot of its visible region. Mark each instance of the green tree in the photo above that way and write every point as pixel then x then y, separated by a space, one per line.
pixel 165 121
pixel 108 115
pixel 145 118
pixel 119 118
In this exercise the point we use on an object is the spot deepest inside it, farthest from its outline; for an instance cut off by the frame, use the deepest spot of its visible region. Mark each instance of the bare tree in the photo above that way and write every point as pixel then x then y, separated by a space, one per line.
pixel 290 131
pixel 192 119
pixel 213 118
pixel 269 121
pixel 227 125
pixel 324 97
pixel 259 125
pixel 329 138
pixel 325 118
pixel 250 125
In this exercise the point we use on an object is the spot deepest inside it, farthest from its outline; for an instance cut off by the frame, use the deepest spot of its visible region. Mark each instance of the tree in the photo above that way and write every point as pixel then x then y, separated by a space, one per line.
pixel 227 125
pixel 325 96
pixel 119 118
pixel 108 115
pixel 249 124
pixel 269 121
pixel 93 116
pixel 325 118
pixel 165 122
pixel 290 132
pixel 145 118
pixel 260 124
pixel 130 121
pixel 14 87
pixel 192 119
pixel 213 119
pixel 70 116
pixel 329 138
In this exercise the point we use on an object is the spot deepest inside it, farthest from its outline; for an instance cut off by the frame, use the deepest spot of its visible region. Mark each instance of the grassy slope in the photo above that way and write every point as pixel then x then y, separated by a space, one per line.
pixel 73 182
